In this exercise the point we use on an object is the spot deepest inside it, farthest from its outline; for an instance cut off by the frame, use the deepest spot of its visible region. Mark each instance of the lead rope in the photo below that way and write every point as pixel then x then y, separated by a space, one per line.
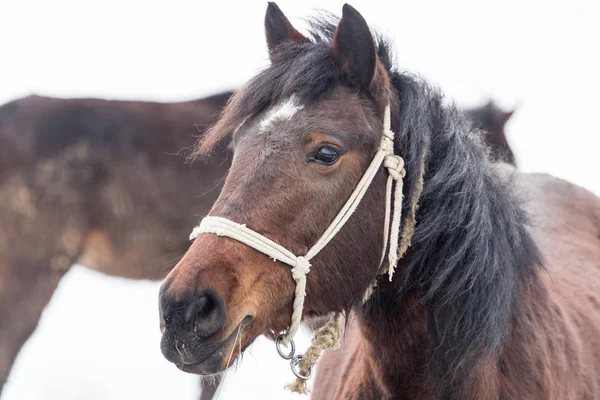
pixel 328 336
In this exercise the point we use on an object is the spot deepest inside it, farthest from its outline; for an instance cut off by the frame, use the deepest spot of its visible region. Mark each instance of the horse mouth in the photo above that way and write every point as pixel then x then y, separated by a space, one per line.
pixel 222 356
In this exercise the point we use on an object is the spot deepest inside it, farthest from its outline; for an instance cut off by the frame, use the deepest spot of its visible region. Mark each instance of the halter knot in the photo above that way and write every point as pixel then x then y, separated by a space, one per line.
pixel 301 269
pixel 395 166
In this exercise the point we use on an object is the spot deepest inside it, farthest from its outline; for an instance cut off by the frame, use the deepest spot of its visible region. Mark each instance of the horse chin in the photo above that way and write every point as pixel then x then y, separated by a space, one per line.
pixel 221 355
pixel 212 365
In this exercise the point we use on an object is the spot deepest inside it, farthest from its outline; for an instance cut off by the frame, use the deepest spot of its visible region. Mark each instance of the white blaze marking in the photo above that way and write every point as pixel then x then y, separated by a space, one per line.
pixel 281 112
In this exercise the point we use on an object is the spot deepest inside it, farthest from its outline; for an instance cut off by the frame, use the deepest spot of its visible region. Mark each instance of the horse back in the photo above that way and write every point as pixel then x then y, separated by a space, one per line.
pixel 555 343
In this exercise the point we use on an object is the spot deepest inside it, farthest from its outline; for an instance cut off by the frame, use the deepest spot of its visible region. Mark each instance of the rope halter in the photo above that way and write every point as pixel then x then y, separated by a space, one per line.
pixel 301 264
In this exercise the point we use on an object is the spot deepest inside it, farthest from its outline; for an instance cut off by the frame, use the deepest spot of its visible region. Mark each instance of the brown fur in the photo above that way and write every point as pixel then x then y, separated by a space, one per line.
pixel 96 182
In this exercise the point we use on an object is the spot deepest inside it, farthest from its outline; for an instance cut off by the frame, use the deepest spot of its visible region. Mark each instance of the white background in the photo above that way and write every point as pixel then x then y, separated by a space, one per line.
pixel 99 337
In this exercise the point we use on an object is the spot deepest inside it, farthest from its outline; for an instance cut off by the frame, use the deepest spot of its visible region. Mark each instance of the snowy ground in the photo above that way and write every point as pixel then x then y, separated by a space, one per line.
pixel 99 337
pixel 99 340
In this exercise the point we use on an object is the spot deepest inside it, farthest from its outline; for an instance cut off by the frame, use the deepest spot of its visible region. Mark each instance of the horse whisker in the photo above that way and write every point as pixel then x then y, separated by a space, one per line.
pixel 233 347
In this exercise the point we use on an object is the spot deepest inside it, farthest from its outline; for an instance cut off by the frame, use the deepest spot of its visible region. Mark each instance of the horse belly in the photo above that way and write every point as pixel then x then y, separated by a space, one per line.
pixel 142 218
pixel 139 256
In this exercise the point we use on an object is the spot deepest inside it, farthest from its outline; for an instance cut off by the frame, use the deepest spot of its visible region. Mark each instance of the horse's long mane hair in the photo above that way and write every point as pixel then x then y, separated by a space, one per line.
pixel 471 255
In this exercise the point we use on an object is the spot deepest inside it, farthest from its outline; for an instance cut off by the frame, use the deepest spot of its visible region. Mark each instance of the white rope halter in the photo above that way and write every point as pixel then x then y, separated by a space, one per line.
pixel 301 264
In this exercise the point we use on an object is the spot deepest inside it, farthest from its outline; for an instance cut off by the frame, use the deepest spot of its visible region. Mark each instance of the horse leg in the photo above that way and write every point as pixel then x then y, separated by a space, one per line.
pixel 42 223
pixel 22 300
pixel 209 388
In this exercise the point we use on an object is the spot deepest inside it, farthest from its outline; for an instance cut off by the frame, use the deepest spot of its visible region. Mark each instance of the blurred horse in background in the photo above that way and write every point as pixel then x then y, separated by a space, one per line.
pixel 491 119
pixel 98 183
pixel 104 184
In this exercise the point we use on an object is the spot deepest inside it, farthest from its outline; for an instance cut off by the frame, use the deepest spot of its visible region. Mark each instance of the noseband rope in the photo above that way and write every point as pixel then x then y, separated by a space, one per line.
pixel 329 335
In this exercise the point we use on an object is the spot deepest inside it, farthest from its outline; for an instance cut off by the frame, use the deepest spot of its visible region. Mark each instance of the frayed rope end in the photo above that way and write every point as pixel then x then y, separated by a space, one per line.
pixel 298 386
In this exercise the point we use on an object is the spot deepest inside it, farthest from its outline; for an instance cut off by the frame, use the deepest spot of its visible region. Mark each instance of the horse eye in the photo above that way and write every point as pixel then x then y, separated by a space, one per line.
pixel 326 155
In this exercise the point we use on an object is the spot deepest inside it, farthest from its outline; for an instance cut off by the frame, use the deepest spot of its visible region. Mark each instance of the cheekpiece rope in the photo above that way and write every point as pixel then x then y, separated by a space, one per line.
pixel 328 336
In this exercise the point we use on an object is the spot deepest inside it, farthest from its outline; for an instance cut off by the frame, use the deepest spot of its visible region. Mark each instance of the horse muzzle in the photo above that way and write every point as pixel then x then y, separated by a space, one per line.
pixel 194 336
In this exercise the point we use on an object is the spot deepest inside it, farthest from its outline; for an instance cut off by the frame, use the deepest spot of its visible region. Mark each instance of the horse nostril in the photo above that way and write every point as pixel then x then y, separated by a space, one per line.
pixel 205 312
pixel 193 308
pixel 208 313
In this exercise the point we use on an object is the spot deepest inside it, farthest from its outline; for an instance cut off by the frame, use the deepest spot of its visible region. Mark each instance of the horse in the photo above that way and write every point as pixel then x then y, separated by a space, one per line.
pixel 100 183
pixel 491 119
pixel 487 285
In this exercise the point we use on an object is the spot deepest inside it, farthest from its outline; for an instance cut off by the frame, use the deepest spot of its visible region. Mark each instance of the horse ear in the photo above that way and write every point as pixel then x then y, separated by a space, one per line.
pixel 506 115
pixel 354 48
pixel 279 29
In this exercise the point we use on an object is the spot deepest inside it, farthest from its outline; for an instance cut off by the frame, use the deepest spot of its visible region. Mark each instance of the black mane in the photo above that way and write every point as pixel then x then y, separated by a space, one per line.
pixel 471 251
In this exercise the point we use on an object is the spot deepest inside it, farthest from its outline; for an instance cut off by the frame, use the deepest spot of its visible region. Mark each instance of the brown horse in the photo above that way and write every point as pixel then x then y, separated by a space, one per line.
pixel 99 183
pixel 469 313
pixel 492 120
